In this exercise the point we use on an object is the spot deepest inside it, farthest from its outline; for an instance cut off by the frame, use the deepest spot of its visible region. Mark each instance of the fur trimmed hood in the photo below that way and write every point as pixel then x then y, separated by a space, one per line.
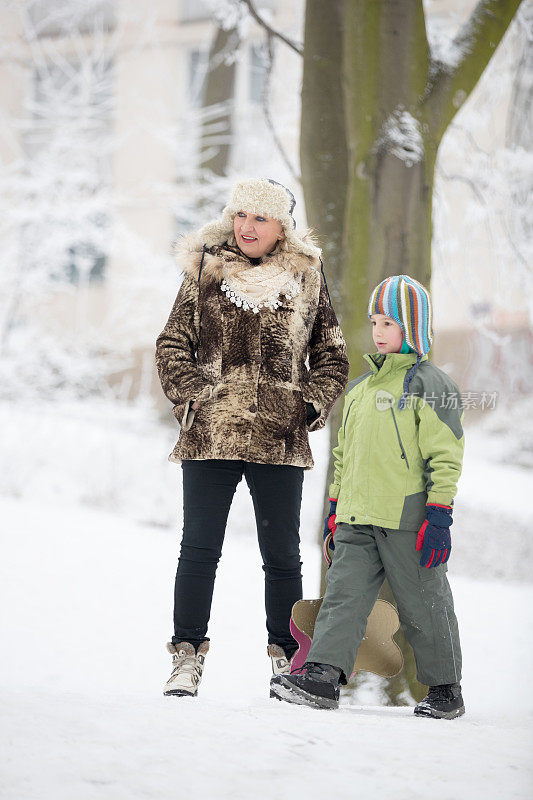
pixel 259 196
pixel 188 251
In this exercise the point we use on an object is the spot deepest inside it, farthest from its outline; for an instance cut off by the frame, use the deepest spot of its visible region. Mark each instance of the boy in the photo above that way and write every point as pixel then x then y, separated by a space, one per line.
pixel 397 464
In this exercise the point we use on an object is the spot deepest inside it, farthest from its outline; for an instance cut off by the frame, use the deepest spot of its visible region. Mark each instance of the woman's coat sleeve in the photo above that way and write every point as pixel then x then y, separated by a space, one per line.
pixel 328 362
pixel 176 348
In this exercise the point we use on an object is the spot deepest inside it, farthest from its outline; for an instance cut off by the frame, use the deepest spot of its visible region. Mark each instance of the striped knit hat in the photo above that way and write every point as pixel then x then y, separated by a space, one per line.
pixel 408 303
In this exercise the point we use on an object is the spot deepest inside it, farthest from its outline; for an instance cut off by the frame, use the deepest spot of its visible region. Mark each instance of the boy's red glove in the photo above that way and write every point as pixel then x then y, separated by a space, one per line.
pixel 330 523
pixel 434 537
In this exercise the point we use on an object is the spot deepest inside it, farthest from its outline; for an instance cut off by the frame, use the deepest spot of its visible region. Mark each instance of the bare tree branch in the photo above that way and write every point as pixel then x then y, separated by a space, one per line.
pixel 518 253
pixel 470 139
pixel 473 48
pixel 464 179
pixel 298 48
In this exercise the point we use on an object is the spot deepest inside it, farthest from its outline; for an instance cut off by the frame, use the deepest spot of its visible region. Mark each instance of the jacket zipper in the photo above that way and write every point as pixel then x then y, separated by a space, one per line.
pixel 398 435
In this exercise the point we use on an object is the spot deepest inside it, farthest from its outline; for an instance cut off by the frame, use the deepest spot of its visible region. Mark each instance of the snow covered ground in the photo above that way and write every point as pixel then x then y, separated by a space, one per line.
pixel 86 603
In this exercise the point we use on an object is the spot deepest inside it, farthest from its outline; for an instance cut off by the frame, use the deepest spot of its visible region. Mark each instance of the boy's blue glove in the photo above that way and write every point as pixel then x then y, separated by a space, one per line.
pixel 434 537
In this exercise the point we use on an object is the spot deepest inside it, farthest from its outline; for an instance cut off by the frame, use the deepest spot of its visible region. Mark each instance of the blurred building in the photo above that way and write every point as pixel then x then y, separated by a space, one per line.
pixel 105 125
pixel 103 122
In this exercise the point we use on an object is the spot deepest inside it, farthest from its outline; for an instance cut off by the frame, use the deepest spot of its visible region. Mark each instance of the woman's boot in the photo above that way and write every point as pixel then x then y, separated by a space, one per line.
pixel 187 669
pixel 281 665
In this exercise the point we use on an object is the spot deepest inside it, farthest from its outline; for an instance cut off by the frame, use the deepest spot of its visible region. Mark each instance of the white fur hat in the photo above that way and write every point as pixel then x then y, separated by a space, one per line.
pixel 259 196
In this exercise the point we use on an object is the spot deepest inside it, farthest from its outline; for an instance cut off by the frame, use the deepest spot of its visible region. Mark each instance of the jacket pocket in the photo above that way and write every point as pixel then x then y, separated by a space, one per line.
pixel 281 411
pixel 186 415
pixel 404 456
pixel 346 417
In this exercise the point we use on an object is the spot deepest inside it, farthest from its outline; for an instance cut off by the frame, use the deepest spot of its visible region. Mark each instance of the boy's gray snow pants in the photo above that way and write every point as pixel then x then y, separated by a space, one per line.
pixel 364 556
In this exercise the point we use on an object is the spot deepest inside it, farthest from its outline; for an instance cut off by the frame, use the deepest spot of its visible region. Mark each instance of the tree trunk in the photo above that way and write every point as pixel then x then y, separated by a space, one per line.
pixel 397 106
pixel 323 148
pixel 390 178
pixel 324 161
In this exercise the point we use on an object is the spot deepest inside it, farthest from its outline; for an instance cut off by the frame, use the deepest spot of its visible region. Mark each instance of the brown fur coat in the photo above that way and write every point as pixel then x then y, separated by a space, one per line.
pixel 248 370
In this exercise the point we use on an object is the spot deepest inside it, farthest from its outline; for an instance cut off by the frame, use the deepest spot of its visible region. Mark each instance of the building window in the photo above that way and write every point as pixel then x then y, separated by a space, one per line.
pixel 195 10
pixel 198 65
pixel 258 70
pixel 64 17
pixel 199 10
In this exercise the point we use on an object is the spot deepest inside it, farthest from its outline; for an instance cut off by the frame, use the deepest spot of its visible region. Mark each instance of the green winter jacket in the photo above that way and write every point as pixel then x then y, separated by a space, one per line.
pixel 390 463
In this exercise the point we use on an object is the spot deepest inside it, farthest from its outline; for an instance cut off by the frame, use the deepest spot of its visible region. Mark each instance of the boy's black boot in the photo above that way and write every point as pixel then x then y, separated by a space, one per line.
pixel 442 702
pixel 313 684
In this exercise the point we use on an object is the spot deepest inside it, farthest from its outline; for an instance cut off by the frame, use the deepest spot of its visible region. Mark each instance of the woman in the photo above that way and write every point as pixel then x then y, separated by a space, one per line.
pixel 232 358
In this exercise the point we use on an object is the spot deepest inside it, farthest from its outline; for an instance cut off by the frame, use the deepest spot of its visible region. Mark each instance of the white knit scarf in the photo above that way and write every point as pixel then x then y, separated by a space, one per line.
pixel 255 287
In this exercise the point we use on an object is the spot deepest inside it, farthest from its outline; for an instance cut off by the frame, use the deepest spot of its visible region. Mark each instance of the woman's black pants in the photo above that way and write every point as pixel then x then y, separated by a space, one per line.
pixel 208 489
